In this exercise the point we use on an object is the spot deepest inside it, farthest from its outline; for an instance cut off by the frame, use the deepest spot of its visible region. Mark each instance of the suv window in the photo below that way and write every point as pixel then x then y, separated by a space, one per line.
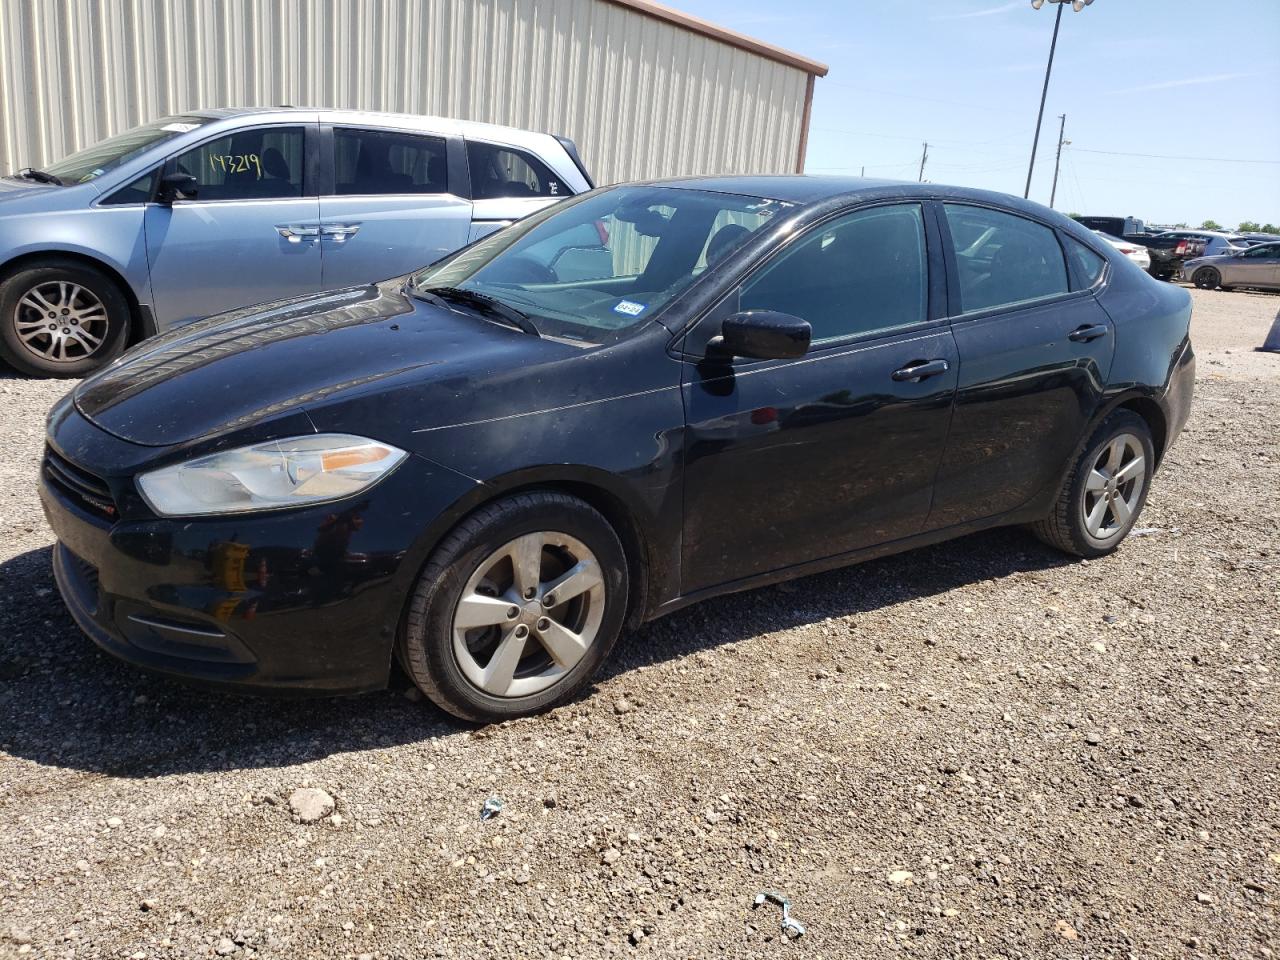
pixel 498 171
pixel 258 164
pixel 1088 264
pixel 862 273
pixel 376 161
pixel 1003 259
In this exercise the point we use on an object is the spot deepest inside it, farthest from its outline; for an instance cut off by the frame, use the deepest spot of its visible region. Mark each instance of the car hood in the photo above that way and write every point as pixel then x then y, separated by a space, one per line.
pixel 242 368
pixel 11 190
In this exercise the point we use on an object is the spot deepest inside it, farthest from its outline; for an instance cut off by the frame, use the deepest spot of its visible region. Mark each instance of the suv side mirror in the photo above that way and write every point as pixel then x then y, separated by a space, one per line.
pixel 177 186
pixel 761 335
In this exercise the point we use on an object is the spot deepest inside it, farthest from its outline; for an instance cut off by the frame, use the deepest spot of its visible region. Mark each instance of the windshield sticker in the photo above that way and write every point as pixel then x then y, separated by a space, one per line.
pixel 629 307
pixel 180 127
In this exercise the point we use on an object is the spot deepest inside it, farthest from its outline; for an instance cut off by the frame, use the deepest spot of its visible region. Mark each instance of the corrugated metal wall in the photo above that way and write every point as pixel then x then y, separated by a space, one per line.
pixel 641 97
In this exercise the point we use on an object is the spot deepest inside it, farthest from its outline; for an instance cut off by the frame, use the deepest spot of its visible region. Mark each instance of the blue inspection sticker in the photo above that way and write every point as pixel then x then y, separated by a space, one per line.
pixel 629 308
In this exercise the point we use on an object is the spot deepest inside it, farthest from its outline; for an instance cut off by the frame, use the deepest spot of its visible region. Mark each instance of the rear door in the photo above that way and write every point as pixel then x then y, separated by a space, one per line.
pixel 788 461
pixel 251 233
pixel 392 204
pixel 1035 351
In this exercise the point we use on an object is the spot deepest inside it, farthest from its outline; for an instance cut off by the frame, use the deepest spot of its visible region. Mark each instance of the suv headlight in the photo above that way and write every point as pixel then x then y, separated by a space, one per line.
pixel 281 473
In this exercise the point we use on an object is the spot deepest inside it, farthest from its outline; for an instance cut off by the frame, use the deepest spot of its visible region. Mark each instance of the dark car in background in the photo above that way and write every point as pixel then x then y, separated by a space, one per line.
pixel 488 469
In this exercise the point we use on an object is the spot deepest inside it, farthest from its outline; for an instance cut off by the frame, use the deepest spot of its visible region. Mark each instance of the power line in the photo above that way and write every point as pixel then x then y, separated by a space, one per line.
pixel 1162 156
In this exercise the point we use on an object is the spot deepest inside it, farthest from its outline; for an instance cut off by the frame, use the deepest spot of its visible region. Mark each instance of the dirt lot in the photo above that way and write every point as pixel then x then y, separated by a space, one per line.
pixel 979 749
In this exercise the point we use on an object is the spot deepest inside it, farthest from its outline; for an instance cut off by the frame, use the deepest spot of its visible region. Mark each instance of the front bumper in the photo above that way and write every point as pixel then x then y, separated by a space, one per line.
pixel 306 600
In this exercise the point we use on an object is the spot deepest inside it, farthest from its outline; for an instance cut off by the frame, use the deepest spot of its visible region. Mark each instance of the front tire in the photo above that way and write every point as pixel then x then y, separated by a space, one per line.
pixel 61 318
pixel 1207 278
pixel 517 608
pixel 1106 490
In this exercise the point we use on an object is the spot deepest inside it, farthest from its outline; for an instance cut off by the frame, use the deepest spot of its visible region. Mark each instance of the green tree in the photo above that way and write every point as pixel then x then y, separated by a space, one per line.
pixel 1211 225
pixel 1249 226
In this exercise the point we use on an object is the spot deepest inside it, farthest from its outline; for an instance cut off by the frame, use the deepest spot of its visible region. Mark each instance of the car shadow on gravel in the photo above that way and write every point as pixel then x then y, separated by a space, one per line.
pixel 64 703
pixel 862 588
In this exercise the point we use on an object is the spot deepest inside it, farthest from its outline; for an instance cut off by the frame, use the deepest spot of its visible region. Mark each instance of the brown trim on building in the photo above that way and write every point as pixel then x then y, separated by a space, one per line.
pixel 803 148
pixel 724 35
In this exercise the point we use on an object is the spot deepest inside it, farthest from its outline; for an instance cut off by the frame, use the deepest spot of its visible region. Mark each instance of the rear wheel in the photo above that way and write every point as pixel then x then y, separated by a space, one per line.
pixel 517 608
pixel 1207 278
pixel 61 318
pixel 1106 491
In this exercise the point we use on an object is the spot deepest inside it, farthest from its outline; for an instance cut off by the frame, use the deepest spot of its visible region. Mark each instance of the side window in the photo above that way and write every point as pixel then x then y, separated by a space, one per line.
pixel 863 273
pixel 1088 264
pixel 372 161
pixel 1003 259
pixel 258 164
pixel 139 191
pixel 1266 251
pixel 498 171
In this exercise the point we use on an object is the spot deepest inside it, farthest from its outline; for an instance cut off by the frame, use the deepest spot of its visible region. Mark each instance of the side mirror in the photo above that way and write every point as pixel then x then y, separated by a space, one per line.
pixel 761 335
pixel 177 186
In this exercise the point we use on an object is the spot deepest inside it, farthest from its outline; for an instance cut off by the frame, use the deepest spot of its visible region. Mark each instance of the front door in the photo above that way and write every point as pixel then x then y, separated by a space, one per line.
pixel 1259 266
pixel 393 208
pixel 794 460
pixel 250 235
pixel 1034 356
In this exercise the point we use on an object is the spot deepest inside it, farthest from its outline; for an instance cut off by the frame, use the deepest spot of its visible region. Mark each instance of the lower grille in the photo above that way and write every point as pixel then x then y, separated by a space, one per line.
pixel 81 580
pixel 81 487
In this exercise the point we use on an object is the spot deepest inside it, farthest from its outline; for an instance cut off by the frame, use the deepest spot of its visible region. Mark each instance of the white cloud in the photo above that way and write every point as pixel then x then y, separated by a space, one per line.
pixel 985 12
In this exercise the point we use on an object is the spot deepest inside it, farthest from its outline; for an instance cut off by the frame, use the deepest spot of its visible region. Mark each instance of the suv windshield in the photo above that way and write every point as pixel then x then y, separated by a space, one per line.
pixel 592 267
pixel 92 162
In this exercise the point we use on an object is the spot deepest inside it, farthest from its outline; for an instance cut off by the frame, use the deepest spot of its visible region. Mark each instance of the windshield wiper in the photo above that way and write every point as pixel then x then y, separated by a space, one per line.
pixel 40 176
pixel 491 306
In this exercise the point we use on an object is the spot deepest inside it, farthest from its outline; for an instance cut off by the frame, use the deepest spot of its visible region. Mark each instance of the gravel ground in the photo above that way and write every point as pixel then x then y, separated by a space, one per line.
pixel 980 749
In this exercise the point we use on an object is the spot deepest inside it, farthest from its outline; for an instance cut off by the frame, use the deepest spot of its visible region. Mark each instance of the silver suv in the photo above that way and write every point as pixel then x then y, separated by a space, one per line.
pixel 209 211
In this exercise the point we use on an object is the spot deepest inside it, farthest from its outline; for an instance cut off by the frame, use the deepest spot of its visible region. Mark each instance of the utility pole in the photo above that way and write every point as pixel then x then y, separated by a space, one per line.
pixel 1057 22
pixel 1062 140
pixel 923 157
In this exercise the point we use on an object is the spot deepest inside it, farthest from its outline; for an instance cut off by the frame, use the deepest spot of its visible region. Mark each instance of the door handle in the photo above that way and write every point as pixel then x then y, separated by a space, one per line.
pixel 339 232
pixel 1089 332
pixel 297 232
pixel 921 370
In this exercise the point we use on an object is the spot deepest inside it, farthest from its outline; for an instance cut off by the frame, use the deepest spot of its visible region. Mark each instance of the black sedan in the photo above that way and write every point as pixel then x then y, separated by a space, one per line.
pixel 641 397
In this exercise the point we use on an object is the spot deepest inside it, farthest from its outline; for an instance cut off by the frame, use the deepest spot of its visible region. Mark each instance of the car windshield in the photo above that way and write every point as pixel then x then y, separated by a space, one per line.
pixel 93 162
pixel 593 267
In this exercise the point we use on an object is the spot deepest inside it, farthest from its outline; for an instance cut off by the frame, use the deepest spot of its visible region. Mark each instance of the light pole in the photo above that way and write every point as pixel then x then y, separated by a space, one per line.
pixel 1077 6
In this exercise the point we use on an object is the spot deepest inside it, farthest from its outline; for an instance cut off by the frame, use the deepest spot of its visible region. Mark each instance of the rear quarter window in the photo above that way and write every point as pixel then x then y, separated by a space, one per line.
pixel 1088 266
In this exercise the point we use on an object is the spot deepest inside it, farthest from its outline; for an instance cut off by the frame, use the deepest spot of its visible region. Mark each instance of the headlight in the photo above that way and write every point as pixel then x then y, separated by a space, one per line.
pixel 281 473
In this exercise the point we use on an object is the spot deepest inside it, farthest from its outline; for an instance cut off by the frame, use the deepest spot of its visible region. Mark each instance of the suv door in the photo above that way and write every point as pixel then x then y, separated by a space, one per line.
pixel 788 461
pixel 1035 350
pixel 249 235
pixel 508 183
pixel 394 205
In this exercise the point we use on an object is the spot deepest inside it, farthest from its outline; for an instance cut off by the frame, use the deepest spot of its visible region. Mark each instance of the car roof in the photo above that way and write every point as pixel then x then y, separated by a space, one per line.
pixel 809 189
pixel 376 117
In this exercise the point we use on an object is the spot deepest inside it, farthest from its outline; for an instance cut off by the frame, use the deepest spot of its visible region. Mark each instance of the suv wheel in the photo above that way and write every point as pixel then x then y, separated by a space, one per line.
pixel 517 608
pixel 1106 490
pixel 61 319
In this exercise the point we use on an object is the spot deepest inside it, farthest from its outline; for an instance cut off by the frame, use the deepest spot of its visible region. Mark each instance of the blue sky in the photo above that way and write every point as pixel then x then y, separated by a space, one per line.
pixel 1182 78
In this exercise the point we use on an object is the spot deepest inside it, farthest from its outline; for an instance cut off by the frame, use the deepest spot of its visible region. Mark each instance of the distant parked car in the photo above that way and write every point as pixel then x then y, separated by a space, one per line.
pixel 1114 226
pixel 1171 249
pixel 217 209
pixel 1136 252
pixel 1253 237
pixel 1256 266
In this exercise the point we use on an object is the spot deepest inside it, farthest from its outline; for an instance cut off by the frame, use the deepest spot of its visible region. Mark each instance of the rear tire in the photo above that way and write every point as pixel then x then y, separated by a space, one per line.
pixel 474 613
pixel 61 318
pixel 1207 278
pixel 1106 490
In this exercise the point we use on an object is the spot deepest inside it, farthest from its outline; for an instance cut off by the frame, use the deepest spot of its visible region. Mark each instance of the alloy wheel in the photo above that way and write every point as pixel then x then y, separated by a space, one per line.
pixel 1207 278
pixel 1113 488
pixel 61 321
pixel 528 614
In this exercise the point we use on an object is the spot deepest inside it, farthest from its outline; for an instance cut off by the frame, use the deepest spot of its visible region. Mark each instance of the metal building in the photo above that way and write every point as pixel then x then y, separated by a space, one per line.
pixel 644 90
